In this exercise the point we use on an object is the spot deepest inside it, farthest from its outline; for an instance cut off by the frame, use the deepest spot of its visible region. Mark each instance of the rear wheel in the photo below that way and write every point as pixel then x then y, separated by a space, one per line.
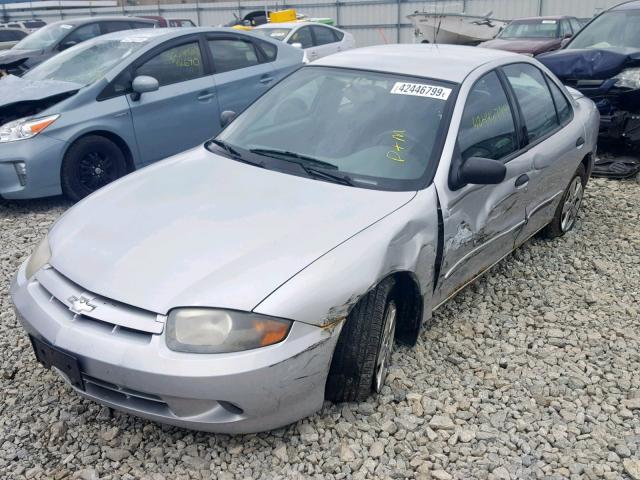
pixel 569 207
pixel 91 163
pixel 363 352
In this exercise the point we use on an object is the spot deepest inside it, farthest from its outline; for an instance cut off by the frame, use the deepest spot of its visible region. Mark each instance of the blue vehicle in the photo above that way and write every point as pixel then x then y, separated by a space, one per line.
pixel 111 105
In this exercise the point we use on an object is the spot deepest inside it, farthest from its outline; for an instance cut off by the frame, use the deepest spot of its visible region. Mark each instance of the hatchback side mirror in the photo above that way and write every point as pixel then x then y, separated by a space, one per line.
pixel 227 117
pixel 65 45
pixel 482 171
pixel 296 45
pixel 143 84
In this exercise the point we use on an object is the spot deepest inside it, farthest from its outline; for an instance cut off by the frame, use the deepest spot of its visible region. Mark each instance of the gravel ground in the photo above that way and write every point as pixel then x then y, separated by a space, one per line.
pixel 532 372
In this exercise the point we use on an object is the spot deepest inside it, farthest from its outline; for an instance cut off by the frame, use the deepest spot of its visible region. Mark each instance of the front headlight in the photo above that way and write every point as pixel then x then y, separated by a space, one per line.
pixel 629 78
pixel 25 128
pixel 39 258
pixel 208 330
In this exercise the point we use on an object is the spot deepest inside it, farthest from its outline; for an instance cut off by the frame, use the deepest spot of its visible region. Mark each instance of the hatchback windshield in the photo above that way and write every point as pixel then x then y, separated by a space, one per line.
pixel 378 130
pixel 275 33
pixel 610 30
pixel 531 29
pixel 87 62
pixel 44 37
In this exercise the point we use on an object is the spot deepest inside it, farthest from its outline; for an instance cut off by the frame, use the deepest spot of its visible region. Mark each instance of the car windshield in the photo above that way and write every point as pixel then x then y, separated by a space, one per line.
pixel 379 130
pixel 87 62
pixel 44 37
pixel 610 30
pixel 531 29
pixel 275 33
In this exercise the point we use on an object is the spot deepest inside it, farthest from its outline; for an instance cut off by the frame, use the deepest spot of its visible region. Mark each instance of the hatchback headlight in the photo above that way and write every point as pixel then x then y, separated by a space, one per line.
pixel 629 78
pixel 25 128
pixel 39 258
pixel 208 330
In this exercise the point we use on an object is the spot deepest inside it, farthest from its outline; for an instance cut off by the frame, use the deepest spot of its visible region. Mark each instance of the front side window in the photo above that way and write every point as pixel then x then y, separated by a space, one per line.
pixel 81 34
pixel 303 37
pixel 575 25
pixel 535 100
pixel 87 63
pixel 487 129
pixel 177 64
pixel 108 27
pixel 323 35
pixel 610 30
pixel 382 130
pixel 232 54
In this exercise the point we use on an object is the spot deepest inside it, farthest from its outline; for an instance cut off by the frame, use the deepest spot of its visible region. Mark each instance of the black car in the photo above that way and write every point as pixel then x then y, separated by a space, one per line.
pixel 56 37
pixel 603 62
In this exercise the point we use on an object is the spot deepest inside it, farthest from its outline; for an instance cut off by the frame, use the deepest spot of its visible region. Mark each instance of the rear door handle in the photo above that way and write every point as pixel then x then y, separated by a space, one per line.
pixel 580 143
pixel 205 96
pixel 522 180
pixel 266 79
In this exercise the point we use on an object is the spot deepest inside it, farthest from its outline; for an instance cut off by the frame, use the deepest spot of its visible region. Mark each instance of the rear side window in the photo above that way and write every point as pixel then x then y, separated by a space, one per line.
pixel 303 37
pixel 177 64
pixel 82 34
pixel 535 100
pixel 487 128
pixel 142 25
pixel 562 104
pixel 232 54
pixel 108 27
pixel 323 35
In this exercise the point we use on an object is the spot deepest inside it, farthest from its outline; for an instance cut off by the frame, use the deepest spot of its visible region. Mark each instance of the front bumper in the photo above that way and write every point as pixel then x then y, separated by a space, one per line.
pixel 41 158
pixel 135 372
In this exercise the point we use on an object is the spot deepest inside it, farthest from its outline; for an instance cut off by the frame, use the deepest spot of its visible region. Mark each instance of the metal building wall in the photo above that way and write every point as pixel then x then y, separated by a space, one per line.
pixel 370 21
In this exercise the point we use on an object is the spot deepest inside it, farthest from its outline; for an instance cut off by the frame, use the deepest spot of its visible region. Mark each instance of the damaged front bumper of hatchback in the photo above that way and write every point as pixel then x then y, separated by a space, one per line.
pixel 128 366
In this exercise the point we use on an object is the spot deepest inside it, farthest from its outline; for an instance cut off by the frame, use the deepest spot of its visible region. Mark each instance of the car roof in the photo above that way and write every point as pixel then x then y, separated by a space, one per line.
pixel 162 34
pixel 443 62
pixel 291 24
pixel 550 17
pixel 632 5
pixel 80 21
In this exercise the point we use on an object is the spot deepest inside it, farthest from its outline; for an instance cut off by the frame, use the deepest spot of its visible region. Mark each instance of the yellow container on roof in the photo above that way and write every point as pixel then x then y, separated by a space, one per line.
pixel 282 16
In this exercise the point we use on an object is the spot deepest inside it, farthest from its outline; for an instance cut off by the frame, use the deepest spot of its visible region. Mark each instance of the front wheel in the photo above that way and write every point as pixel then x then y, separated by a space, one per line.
pixel 363 352
pixel 569 207
pixel 91 163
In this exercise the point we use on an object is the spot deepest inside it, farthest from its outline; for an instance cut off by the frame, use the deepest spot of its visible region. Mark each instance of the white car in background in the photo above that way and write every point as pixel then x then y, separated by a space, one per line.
pixel 316 39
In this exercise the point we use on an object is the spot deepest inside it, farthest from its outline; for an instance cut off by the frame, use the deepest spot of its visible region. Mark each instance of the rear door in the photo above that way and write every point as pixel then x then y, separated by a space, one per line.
pixel 481 222
pixel 553 142
pixel 242 69
pixel 183 112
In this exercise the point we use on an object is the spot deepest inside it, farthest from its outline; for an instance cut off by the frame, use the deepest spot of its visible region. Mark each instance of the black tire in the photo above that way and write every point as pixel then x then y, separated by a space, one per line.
pixel 91 163
pixel 559 226
pixel 354 365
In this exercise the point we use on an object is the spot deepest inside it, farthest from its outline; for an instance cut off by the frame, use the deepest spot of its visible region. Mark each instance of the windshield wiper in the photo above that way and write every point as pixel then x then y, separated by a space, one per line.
pixel 288 156
pixel 312 166
pixel 234 153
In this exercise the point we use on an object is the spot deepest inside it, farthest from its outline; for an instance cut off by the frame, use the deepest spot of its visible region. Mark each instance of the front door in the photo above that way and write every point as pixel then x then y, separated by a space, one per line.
pixel 183 112
pixel 481 222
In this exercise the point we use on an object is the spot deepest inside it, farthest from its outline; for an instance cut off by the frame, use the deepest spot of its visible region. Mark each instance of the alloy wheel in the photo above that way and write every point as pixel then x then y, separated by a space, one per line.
pixel 386 347
pixel 571 205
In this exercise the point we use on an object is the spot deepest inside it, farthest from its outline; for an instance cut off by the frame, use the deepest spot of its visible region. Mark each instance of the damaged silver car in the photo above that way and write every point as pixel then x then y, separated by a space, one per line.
pixel 236 286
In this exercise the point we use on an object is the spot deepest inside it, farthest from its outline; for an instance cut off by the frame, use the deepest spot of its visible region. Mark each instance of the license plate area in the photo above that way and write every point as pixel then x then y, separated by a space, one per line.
pixel 50 356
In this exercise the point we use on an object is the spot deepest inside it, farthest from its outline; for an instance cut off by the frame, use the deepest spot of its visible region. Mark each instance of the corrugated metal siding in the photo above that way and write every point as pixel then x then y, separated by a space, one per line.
pixel 370 21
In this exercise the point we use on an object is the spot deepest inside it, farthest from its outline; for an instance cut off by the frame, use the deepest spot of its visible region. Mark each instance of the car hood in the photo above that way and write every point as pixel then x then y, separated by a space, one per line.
pixel 199 229
pixel 590 64
pixel 18 89
pixel 524 45
pixel 12 56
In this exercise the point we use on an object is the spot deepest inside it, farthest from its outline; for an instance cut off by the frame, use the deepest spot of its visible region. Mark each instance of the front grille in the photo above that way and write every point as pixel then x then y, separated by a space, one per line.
pixel 102 314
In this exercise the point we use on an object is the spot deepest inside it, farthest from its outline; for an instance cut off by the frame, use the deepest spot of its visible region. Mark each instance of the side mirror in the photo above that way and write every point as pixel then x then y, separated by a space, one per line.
pixel 568 35
pixel 296 45
pixel 65 45
pixel 143 84
pixel 227 117
pixel 564 42
pixel 482 171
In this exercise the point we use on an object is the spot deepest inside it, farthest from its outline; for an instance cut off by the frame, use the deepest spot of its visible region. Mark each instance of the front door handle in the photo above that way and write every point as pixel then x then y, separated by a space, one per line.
pixel 580 143
pixel 205 96
pixel 522 180
pixel 266 79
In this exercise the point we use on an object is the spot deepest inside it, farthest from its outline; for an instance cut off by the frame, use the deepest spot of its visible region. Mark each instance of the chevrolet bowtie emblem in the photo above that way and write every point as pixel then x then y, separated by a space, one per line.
pixel 81 305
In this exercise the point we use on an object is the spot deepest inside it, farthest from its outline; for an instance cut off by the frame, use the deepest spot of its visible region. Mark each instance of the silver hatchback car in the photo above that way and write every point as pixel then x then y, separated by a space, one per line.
pixel 236 286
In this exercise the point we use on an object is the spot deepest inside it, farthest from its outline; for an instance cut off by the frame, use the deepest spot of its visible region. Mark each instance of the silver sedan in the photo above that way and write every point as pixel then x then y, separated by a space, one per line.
pixel 236 286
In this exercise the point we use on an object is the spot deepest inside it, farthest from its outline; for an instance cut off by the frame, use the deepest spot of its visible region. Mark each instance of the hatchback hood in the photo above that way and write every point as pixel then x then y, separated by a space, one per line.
pixel 532 45
pixel 199 229
pixel 20 97
pixel 11 56
pixel 590 64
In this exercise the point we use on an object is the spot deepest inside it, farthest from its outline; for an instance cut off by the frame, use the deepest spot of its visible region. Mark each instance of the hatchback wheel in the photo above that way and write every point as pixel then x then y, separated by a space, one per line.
pixel 91 163
pixel 569 207
pixel 363 352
